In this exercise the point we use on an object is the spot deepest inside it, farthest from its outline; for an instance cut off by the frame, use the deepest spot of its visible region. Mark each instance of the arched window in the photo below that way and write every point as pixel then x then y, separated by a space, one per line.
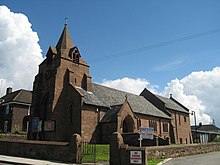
pixel 45 106
pixel 71 113
pixel 128 124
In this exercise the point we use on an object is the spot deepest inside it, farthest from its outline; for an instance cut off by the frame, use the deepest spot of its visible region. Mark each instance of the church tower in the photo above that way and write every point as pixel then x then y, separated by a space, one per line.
pixel 52 104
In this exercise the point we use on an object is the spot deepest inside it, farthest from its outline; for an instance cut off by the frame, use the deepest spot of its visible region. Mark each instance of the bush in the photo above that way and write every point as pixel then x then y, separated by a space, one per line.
pixel 217 139
pixel 19 133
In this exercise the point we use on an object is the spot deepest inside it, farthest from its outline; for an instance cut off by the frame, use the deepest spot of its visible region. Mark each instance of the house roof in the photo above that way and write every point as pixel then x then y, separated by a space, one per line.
pixel 207 128
pixel 19 96
pixel 107 97
pixel 171 104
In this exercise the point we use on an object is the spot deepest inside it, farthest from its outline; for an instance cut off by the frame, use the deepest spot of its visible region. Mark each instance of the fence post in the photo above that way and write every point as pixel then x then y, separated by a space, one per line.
pixel 94 151
pixel 75 148
pixel 115 143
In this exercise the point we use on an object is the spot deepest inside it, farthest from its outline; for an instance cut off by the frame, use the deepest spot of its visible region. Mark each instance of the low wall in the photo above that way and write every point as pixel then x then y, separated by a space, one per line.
pixel 46 150
pixel 35 149
pixel 172 151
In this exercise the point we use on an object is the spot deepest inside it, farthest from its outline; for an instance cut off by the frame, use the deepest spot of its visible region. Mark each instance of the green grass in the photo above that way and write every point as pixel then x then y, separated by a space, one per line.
pixel 102 155
pixel 154 161
pixel 217 139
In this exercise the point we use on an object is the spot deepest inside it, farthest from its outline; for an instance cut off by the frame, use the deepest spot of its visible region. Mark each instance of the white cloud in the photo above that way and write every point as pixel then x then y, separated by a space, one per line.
pixel 127 84
pixel 199 91
pixel 192 102
pixel 20 53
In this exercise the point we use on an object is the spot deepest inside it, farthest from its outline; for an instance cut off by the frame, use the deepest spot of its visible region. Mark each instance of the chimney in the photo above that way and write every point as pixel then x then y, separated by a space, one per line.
pixel 171 95
pixel 8 90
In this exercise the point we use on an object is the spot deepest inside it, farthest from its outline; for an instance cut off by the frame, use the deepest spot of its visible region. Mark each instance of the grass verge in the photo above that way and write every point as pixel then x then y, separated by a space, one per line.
pixel 102 155
pixel 154 161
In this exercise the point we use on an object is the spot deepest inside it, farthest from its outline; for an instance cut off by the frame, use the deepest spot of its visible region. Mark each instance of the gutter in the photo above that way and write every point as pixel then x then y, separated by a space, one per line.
pixel 14 102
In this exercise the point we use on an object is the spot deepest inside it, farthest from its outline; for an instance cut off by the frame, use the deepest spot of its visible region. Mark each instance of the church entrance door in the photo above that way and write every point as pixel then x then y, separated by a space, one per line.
pixel 128 124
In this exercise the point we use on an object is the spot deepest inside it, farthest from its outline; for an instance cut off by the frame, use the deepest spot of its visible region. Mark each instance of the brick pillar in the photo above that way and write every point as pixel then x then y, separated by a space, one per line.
pixel 75 149
pixel 115 143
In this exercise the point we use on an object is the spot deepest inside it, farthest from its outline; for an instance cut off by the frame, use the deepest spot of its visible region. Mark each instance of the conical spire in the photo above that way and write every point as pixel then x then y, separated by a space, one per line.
pixel 65 41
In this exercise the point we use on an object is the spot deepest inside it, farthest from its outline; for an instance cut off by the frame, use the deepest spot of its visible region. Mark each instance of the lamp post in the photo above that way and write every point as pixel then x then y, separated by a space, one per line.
pixel 194 113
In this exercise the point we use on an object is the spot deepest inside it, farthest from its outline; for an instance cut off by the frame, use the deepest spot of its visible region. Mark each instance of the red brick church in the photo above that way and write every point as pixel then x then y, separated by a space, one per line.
pixel 66 101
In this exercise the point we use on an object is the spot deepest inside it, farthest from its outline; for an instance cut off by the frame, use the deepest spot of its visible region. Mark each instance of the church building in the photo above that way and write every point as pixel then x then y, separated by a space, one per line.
pixel 66 101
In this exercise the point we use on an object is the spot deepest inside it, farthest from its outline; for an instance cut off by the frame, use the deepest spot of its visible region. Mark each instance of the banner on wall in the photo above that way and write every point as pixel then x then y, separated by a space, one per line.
pixel 147 133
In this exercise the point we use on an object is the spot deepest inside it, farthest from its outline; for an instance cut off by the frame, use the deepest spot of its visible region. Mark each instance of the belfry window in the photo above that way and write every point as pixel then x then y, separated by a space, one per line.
pixel 76 58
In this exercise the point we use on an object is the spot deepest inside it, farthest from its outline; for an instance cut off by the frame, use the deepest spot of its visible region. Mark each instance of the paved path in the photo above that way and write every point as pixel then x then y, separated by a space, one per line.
pixel 212 158
pixel 26 161
pixel 7 160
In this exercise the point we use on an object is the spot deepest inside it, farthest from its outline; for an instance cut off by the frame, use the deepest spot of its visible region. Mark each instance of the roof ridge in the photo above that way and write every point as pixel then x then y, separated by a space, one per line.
pixel 116 89
pixel 19 92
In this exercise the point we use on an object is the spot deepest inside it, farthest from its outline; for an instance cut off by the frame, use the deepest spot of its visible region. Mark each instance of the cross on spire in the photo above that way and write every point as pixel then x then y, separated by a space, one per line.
pixel 126 97
pixel 66 19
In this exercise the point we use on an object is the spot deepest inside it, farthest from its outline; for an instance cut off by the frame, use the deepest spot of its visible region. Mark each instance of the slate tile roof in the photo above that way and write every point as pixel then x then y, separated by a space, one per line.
pixel 19 96
pixel 111 114
pixel 207 128
pixel 107 97
pixel 171 104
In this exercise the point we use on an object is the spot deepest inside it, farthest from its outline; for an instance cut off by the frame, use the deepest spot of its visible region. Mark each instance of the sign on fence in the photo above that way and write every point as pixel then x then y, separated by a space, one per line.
pixel 135 157
pixel 147 133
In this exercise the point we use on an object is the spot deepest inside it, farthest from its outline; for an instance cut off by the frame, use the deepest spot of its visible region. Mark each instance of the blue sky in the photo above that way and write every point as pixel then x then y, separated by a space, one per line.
pixel 172 45
pixel 102 28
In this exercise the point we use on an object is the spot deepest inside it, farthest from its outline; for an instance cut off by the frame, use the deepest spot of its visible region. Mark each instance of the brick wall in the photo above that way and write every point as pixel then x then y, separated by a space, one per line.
pixel 180 150
pixel 89 124
pixel 46 150
pixel 181 128
pixel 19 112
pixel 159 123
pixel 35 149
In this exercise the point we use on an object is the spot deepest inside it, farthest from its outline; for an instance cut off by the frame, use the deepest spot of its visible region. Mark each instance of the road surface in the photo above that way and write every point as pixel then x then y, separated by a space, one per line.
pixel 212 158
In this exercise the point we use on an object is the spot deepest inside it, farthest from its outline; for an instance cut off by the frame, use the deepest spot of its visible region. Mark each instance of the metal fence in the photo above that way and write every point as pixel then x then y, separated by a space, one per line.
pixel 89 149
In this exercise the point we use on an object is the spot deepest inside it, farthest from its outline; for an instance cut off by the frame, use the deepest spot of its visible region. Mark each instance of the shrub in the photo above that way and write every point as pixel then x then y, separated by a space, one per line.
pixel 16 132
pixel 217 139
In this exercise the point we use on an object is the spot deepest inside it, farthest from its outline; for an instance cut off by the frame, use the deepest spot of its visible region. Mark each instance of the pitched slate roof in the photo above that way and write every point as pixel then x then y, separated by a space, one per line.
pixel 111 114
pixel 19 96
pixel 207 128
pixel 107 97
pixel 171 104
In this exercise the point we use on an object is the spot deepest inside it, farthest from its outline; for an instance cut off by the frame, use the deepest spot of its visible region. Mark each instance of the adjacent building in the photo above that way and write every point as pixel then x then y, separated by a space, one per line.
pixel 14 110
pixel 66 101
pixel 180 130
pixel 205 133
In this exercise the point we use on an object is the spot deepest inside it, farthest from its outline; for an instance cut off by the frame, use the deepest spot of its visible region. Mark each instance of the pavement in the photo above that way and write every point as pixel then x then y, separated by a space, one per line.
pixel 7 160
pixel 27 161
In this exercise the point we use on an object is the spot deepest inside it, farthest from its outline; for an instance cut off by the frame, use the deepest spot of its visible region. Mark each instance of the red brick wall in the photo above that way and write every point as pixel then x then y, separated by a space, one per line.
pixel 181 127
pixel 59 151
pixel 145 123
pixel 19 112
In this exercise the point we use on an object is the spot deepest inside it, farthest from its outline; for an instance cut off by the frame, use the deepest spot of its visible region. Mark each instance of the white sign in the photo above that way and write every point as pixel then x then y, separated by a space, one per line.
pixel 135 157
pixel 147 133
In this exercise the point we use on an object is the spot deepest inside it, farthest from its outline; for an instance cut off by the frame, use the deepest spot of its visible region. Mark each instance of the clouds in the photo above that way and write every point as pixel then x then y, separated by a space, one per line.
pixel 127 84
pixel 20 53
pixel 199 91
